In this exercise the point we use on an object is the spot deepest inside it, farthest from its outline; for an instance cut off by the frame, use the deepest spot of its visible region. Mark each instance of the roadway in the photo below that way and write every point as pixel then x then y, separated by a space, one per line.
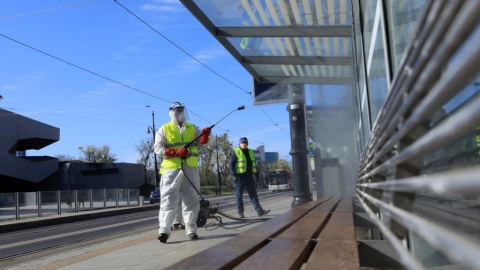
pixel 37 243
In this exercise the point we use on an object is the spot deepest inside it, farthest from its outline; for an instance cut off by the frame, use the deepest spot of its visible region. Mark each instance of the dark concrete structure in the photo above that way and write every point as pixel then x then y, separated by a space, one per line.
pixel 17 135
pixel 21 173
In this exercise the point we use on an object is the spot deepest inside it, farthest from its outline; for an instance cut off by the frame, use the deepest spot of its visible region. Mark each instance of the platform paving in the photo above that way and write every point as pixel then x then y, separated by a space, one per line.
pixel 144 251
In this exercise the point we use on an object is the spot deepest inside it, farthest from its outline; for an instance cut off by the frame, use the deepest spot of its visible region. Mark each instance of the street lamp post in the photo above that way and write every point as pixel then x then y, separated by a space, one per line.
pixel 157 180
pixel 218 169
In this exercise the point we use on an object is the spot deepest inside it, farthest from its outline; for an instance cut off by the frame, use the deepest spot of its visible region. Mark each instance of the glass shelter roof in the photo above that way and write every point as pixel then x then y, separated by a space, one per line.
pixel 283 41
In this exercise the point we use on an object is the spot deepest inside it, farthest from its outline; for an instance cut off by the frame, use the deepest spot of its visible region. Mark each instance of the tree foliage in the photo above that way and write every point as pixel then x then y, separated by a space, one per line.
pixel 146 158
pixel 62 157
pixel 94 154
pixel 218 146
pixel 280 164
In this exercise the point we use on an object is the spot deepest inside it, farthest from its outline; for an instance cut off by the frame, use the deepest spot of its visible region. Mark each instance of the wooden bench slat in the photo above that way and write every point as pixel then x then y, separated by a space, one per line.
pixel 278 224
pixel 285 241
pixel 308 206
pixel 334 254
pixel 339 226
pixel 306 227
pixel 280 253
pixel 222 256
pixel 345 205
pixel 274 226
pixel 326 206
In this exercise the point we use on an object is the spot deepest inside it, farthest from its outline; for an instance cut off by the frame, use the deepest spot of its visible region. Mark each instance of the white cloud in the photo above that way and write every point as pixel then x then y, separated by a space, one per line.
pixel 94 94
pixel 205 57
pixel 9 87
pixel 164 6
pixel 167 1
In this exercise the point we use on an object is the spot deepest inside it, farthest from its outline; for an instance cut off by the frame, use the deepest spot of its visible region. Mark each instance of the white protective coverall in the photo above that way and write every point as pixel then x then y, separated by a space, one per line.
pixel 175 186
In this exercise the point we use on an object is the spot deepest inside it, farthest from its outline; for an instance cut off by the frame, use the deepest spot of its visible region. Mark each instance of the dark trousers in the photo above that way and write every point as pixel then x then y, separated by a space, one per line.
pixel 242 182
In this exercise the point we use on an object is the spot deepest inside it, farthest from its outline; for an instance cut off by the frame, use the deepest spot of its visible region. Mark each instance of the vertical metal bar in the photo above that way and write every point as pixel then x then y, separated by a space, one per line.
pixel 128 197
pixel 318 172
pixel 116 197
pixel 104 199
pixel 17 206
pixel 39 203
pixel 91 199
pixel 59 203
pixel 75 192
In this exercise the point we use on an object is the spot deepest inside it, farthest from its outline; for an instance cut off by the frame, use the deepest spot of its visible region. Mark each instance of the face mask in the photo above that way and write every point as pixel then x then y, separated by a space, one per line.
pixel 180 116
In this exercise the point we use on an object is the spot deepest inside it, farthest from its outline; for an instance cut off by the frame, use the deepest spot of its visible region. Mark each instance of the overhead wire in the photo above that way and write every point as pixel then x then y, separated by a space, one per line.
pixel 46 10
pixel 118 82
pixel 71 116
pixel 194 58
pixel 181 49
pixel 84 69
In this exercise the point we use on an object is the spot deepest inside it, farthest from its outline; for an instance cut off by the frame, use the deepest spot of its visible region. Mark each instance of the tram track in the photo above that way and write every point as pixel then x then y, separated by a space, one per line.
pixel 31 244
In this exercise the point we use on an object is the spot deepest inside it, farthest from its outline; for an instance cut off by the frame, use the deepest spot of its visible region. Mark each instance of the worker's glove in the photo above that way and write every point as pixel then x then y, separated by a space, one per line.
pixel 205 133
pixel 182 152
pixel 169 152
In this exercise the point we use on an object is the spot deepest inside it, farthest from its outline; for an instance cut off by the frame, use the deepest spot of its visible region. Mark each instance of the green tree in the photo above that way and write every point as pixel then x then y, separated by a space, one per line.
pixel 208 160
pixel 280 164
pixel 206 163
pixel 62 157
pixel 145 150
pixel 94 154
pixel 225 149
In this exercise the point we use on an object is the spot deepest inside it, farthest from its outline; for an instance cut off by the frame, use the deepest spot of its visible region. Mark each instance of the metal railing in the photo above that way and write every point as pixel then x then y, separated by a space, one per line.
pixel 419 175
pixel 19 205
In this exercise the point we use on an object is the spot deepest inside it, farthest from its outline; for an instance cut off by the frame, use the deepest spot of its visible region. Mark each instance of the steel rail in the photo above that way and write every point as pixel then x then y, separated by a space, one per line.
pixel 406 258
pixel 456 247
pixel 455 126
pixel 412 70
pixel 464 23
pixel 455 181
pixel 465 66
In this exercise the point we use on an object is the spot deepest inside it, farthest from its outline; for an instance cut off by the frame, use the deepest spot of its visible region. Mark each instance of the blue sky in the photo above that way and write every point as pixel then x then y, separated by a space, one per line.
pixel 90 68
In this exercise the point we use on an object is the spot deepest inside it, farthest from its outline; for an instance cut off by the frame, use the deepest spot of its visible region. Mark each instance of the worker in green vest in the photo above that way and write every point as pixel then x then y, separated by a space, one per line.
pixel 242 167
pixel 180 173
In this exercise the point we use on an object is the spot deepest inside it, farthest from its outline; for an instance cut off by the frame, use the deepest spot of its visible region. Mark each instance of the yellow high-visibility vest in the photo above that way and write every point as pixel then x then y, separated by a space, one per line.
pixel 175 141
pixel 241 165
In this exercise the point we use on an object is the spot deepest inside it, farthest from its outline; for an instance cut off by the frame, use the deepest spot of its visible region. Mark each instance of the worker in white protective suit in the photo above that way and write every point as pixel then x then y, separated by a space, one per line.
pixel 178 223
pixel 181 176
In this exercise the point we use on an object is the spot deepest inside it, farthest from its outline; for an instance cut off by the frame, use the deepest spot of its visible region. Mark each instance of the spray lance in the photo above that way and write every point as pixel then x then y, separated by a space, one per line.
pixel 205 209
pixel 191 142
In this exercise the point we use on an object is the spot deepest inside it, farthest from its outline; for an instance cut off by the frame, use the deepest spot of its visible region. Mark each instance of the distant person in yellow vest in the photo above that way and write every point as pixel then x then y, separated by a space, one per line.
pixel 242 167
pixel 180 174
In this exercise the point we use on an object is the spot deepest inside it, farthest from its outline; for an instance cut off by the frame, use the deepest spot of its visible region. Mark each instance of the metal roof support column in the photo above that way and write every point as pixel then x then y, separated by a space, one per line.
pixel 298 136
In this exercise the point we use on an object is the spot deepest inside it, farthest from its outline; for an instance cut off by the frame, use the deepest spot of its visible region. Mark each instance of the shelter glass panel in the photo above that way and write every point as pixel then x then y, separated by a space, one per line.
pixel 402 17
pixel 458 211
pixel 304 70
pixel 375 57
pixel 292 46
pixel 335 136
pixel 276 12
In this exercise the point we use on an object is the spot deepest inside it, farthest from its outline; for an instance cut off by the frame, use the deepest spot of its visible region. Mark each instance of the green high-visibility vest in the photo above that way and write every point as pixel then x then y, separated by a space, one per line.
pixel 175 141
pixel 241 165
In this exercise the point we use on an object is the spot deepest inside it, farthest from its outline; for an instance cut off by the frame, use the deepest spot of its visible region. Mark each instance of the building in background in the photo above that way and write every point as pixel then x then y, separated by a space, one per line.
pixel 21 173
pixel 271 157
pixel 18 135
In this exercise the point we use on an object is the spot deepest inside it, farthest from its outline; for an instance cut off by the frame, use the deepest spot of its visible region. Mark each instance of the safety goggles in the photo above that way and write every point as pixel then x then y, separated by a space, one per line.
pixel 178 109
